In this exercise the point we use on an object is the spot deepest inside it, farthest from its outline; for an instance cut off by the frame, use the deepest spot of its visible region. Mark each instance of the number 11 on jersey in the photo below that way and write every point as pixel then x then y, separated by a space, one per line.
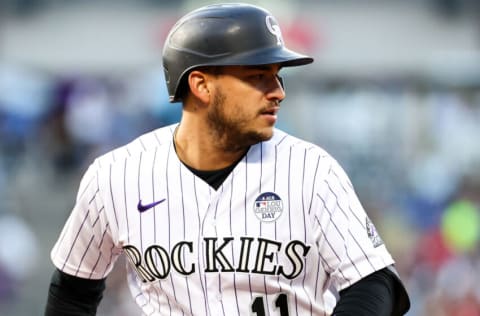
pixel 281 304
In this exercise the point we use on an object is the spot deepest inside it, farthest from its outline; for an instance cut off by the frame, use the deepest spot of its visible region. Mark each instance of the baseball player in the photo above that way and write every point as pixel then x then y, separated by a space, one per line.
pixel 222 213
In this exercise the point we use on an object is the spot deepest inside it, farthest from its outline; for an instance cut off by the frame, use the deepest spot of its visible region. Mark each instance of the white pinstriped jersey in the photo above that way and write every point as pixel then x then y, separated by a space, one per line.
pixel 284 226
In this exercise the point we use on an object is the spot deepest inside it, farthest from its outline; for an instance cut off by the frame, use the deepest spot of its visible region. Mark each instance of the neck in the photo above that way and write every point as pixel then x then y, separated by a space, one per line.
pixel 199 149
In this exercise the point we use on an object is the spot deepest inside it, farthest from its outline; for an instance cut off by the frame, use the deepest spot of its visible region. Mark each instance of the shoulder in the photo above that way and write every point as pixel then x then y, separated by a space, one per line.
pixel 282 141
pixel 285 147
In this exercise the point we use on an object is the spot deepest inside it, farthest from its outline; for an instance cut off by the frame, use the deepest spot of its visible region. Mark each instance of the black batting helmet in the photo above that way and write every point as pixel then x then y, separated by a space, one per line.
pixel 223 35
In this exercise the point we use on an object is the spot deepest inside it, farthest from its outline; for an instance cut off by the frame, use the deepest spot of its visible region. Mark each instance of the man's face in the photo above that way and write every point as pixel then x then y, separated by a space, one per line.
pixel 245 105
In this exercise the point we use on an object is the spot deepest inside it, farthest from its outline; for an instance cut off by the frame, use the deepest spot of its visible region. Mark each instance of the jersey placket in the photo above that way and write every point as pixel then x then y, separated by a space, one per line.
pixel 208 240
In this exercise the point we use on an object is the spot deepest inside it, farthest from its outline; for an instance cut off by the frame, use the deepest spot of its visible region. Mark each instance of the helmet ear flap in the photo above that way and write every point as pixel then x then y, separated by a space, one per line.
pixel 182 88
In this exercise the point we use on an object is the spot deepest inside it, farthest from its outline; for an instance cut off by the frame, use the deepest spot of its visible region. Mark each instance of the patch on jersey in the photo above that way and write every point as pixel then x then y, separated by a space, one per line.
pixel 268 207
pixel 373 234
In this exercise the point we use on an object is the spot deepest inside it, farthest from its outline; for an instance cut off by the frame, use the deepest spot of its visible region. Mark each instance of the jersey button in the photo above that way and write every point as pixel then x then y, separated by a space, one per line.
pixel 219 296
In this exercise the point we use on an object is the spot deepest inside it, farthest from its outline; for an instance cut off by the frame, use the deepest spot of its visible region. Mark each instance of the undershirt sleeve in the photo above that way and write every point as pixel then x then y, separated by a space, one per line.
pixel 73 296
pixel 381 294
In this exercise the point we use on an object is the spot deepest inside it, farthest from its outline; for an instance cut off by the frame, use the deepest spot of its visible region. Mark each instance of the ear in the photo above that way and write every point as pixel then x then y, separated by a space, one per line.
pixel 198 83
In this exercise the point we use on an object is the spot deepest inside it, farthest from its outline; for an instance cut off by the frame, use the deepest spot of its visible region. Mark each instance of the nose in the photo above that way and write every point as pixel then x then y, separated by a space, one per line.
pixel 276 91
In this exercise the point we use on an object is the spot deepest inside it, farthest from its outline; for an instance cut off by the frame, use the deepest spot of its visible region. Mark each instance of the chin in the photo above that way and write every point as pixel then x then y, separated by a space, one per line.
pixel 266 134
pixel 269 135
pixel 254 137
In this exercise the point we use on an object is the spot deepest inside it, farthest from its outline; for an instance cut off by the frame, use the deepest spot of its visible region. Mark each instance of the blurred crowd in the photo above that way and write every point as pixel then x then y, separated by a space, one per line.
pixel 409 145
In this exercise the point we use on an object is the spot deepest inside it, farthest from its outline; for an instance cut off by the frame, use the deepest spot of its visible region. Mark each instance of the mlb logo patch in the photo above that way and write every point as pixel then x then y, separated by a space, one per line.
pixel 268 207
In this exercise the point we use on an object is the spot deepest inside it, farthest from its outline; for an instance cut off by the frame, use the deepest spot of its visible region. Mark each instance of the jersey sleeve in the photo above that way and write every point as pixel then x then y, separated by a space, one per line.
pixel 348 242
pixel 85 247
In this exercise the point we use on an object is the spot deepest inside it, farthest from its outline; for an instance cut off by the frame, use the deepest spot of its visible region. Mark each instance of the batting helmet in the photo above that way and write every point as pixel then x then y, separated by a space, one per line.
pixel 223 35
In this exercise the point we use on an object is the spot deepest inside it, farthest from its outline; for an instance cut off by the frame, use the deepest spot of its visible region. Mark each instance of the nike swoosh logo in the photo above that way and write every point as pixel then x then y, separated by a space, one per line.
pixel 144 207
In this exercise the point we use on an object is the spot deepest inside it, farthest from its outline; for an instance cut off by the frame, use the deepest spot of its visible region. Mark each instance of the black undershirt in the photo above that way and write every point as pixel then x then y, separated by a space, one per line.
pixel 214 178
pixel 380 293
pixel 73 296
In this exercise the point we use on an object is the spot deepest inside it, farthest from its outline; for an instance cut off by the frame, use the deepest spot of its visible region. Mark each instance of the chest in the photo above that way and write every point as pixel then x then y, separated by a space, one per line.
pixel 258 220
pixel 188 227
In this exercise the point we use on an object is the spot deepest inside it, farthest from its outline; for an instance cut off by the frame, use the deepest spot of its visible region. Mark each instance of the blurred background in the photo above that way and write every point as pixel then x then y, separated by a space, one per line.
pixel 394 95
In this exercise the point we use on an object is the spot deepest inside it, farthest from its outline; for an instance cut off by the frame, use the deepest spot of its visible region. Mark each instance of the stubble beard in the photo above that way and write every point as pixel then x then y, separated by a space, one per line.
pixel 231 132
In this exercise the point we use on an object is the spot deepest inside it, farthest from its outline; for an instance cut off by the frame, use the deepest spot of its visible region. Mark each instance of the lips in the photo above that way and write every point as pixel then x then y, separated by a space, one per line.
pixel 271 111
pixel 270 114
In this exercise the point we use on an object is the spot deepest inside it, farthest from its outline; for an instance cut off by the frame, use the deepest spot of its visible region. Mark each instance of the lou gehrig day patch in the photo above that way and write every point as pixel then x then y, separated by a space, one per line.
pixel 373 234
pixel 268 207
